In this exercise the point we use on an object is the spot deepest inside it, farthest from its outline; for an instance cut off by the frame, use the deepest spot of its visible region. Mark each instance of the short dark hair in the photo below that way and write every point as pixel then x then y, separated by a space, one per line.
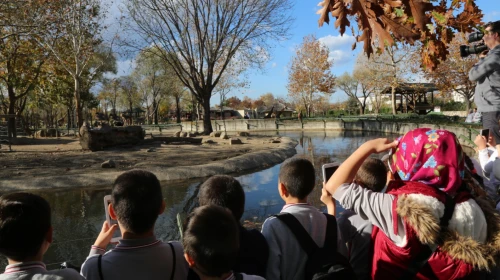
pixel 136 197
pixel 298 176
pixel 372 174
pixel 211 239
pixel 24 223
pixel 494 25
pixel 225 191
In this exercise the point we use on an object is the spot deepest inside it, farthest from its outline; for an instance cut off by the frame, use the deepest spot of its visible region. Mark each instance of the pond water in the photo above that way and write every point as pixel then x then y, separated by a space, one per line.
pixel 77 215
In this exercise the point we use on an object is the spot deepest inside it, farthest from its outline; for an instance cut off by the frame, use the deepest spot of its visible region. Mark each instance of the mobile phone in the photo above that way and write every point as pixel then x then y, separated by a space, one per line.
pixel 328 170
pixel 485 133
pixel 117 235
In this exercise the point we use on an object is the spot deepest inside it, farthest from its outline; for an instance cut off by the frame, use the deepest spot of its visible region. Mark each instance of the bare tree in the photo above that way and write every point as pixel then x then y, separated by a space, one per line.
pixel 206 35
pixel 393 66
pixel 453 75
pixel 348 84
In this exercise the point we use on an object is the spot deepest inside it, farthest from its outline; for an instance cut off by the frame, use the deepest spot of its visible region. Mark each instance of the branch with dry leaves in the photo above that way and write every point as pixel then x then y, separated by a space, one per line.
pixel 410 21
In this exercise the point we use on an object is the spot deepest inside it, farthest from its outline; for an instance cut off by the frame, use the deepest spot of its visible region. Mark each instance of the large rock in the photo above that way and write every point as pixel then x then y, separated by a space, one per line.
pixel 107 136
pixel 235 141
pixel 108 164
pixel 243 133
pixel 215 134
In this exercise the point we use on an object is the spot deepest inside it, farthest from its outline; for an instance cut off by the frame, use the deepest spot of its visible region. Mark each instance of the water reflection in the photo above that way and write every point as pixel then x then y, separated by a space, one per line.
pixel 78 214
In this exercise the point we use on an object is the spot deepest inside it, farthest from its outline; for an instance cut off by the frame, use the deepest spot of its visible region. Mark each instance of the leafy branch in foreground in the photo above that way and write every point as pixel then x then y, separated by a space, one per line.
pixel 430 22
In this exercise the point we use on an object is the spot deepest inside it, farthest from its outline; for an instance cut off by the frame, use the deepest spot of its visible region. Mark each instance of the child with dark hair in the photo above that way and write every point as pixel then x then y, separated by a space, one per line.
pixel 136 202
pixel 287 259
pixel 25 236
pixel 225 191
pixel 356 230
pixel 211 243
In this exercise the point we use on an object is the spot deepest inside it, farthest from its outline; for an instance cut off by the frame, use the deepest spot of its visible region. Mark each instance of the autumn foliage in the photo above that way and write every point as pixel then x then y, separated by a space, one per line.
pixel 385 22
pixel 309 73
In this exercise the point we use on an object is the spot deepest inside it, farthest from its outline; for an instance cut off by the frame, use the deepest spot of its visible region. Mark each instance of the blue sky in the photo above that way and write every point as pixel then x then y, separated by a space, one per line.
pixel 273 78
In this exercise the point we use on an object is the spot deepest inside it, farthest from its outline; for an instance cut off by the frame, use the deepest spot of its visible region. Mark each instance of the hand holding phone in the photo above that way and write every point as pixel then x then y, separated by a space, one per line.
pixel 328 170
pixel 106 235
pixel 485 133
pixel 117 235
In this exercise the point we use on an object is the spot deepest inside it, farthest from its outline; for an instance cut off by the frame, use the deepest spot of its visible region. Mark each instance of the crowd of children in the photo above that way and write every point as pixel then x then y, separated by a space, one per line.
pixel 415 215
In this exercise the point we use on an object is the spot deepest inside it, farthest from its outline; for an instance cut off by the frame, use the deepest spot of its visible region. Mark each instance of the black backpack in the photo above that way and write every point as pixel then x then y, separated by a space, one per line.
pixel 322 263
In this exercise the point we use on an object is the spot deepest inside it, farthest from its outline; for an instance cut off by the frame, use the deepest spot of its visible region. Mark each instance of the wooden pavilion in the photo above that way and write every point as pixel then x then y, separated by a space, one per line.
pixel 414 97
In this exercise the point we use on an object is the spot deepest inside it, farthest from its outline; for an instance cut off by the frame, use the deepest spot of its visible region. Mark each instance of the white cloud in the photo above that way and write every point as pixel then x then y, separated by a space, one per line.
pixel 341 57
pixel 273 65
pixel 266 176
pixel 337 42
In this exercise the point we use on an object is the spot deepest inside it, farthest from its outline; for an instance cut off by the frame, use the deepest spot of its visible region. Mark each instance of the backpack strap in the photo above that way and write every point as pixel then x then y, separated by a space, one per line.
pixel 331 233
pixel 423 257
pixel 173 261
pixel 303 237
pixel 99 267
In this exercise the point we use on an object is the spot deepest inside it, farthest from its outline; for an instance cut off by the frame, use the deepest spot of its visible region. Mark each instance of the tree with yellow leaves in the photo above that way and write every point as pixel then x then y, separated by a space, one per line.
pixel 309 73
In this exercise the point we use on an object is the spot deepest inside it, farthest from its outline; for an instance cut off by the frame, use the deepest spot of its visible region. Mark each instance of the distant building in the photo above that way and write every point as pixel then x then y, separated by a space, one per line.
pixel 284 111
pixel 227 112
pixel 457 97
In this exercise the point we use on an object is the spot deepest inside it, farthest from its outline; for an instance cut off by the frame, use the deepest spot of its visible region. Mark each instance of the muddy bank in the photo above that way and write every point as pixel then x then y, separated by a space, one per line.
pixel 60 163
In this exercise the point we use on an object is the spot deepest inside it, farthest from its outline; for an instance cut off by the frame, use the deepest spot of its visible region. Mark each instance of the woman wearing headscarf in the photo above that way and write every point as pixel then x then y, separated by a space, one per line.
pixel 426 226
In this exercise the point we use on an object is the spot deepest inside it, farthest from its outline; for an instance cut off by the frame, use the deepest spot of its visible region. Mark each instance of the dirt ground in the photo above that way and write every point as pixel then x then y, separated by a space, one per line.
pixel 49 157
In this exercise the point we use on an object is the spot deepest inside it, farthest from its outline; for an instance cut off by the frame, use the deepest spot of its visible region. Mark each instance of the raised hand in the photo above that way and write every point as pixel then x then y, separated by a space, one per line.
pixel 105 235
pixel 380 145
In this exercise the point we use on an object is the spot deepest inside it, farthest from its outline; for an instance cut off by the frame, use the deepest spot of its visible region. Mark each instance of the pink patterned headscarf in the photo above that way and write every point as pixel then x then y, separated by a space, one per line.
pixel 433 157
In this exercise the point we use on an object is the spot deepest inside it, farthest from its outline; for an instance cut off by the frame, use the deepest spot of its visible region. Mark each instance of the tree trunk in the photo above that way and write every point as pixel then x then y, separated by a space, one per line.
pixel 207 124
pixel 178 108
pixel 393 98
pixel 79 119
pixel 11 124
pixel 361 109
pixel 156 106
pixel 467 103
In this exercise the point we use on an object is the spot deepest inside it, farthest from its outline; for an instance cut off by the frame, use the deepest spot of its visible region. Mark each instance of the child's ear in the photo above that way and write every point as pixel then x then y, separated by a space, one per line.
pixel 189 260
pixel 162 208
pixel 282 189
pixel 49 236
pixel 111 211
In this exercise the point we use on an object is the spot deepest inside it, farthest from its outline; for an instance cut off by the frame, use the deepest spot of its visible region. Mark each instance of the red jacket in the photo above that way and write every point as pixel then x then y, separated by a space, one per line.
pixel 459 257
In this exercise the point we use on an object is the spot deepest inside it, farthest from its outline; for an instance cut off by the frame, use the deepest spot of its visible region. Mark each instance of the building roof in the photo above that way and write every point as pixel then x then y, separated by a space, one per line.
pixel 412 88
pixel 217 109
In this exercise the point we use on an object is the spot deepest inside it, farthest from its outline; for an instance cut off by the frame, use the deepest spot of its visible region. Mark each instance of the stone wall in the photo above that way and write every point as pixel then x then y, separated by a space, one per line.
pixel 455 113
pixel 465 134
